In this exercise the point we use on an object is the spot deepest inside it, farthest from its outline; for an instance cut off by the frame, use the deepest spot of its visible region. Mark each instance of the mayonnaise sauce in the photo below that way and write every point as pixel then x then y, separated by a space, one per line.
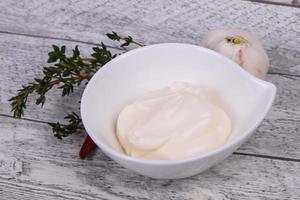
pixel 176 122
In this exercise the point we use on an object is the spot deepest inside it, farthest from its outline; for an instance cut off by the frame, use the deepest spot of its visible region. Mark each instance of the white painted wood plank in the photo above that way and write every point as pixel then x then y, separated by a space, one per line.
pixel 159 21
pixel 22 60
pixel 49 168
pixel 34 165
pixel 294 3
pixel 278 1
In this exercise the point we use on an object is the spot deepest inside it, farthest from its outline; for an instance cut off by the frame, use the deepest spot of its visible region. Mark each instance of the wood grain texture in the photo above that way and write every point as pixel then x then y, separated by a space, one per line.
pixel 293 3
pixel 157 21
pixel 35 165
pixel 23 59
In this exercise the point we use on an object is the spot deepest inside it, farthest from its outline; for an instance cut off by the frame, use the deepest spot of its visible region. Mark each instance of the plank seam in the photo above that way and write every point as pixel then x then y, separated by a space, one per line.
pixel 95 44
pixel 25 119
pixel 90 43
pixel 267 157
pixel 235 153
pixel 283 74
pixel 275 3
pixel 56 38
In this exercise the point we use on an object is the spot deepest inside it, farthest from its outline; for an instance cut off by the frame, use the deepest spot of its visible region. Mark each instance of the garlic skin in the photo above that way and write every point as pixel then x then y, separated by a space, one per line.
pixel 242 47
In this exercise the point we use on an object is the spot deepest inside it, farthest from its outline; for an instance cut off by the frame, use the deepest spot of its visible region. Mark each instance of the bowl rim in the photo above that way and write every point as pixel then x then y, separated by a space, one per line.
pixel 228 145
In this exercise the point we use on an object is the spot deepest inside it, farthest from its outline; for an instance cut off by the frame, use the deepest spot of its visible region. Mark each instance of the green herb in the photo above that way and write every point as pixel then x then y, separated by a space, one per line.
pixel 61 131
pixel 126 40
pixel 235 40
pixel 66 72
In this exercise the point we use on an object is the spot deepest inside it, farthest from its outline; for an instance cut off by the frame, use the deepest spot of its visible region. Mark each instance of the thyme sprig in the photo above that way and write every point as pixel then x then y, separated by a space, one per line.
pixel 61 131
pixel 125 41
pixel 66 72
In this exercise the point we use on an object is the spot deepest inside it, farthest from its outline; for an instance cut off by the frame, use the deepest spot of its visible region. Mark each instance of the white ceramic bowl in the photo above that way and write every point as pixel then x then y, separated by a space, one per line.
pixel 245 98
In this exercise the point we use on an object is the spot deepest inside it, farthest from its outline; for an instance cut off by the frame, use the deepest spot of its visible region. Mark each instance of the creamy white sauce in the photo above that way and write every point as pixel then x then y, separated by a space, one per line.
pixel 176 122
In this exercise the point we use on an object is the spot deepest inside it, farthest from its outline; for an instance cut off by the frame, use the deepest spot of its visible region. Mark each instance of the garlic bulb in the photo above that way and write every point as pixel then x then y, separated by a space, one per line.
pixel 242 47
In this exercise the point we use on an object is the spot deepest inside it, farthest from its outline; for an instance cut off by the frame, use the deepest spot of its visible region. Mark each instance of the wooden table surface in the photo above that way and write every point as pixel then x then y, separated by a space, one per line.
pixel 36 165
